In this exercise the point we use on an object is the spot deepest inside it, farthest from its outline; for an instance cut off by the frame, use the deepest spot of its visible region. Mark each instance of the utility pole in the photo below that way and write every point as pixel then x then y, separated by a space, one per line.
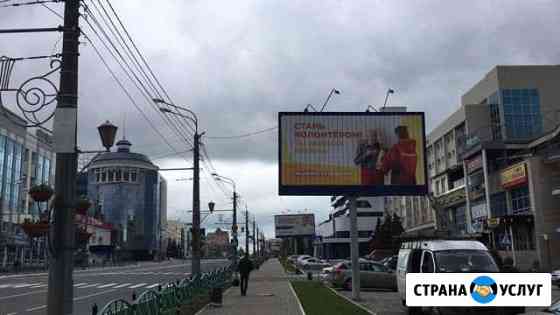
pixel 246 231
pixel 60 291
pixel 354 249
pixel 196 207
pixel 254 237
pixel 234 228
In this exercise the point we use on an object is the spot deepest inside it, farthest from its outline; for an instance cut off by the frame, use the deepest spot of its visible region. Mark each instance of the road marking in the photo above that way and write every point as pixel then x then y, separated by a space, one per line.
pixel 23 294
pixel 38 286
pixel 11 314
pixel 79 284
pixel 89 286
pixel 138 285
pixel 106 285
pixel 36 308
pixel 92 295
pixel 152 286
pixel 2 286
pixel 122 285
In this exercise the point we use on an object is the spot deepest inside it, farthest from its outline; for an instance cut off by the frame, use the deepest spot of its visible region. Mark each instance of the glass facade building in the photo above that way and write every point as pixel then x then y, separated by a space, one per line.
pixel 125 188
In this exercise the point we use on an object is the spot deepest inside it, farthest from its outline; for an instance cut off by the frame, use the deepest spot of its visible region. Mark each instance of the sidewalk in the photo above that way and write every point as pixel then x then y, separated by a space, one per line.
pixel 269 292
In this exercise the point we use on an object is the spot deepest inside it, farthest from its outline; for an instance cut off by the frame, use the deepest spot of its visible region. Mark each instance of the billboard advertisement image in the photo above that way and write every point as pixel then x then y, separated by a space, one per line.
pixel 362 154
pixel 294 225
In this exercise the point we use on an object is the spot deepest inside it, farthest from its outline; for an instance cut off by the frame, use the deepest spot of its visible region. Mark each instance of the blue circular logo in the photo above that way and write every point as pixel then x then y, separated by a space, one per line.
pixel 483 289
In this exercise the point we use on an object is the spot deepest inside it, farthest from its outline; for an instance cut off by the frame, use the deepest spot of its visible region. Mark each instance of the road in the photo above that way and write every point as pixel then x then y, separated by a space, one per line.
pixel 27 293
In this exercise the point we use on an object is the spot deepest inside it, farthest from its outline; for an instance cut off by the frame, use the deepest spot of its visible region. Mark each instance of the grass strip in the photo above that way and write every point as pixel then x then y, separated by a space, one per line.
pixel 316 299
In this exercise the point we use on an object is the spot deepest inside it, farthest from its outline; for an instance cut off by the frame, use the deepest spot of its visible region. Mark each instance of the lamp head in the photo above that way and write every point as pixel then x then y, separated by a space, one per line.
pixel 107 133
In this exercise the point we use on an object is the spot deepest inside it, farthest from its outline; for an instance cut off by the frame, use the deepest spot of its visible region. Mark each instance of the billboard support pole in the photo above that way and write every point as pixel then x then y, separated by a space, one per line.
pixel 354 249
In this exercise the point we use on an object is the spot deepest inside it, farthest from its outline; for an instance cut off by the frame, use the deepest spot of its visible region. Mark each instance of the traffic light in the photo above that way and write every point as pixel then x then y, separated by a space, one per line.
pixel 211 205
pixel 242 229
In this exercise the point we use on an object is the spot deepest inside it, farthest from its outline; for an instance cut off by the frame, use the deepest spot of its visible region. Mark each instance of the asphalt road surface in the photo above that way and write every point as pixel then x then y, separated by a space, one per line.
pixel 27 293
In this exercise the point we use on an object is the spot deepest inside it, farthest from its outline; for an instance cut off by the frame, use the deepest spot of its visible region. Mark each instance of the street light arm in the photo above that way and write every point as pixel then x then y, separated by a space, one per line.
pixel 194 118
pixel 225 179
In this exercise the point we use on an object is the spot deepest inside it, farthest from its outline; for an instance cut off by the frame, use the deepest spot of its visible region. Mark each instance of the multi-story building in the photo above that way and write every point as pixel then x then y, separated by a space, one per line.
pixel 507 118
pixel 333 234
pixel 26 159
pixel 126 188
pixel 217 243
pixel 176 231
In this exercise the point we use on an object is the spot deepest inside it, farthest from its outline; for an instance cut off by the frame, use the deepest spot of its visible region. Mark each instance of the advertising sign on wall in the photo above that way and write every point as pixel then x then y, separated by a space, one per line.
pixel 367 154
pixel 474 164
pixel 294 224
pixel 514 175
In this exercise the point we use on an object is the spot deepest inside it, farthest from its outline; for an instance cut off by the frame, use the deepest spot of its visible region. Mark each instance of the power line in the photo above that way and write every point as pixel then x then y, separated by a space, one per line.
pixel 249 134
pixel 130 73
pixel 141 55
pixel 20 4
pixel 126 92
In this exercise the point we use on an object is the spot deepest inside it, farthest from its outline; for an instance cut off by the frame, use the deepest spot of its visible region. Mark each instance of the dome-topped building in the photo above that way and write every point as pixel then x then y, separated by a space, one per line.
pixel 131 195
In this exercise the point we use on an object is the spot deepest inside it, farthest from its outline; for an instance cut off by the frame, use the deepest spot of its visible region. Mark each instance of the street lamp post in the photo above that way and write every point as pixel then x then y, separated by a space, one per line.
pixel 196 179
pixel 335 91
pixel 234 221
pixel 389 91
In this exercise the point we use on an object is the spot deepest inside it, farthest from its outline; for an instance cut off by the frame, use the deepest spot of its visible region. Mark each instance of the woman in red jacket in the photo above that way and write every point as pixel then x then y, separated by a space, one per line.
pixel 401 159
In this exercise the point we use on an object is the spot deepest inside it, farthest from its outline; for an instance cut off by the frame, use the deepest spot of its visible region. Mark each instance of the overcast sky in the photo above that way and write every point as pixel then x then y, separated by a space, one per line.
pixel 237 63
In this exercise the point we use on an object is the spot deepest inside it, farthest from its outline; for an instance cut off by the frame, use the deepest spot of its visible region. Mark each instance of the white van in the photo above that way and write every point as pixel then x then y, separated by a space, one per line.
pixel 443 256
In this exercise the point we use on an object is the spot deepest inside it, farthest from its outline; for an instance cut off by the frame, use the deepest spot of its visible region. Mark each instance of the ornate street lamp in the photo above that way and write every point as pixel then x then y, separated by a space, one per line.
pixel 107 132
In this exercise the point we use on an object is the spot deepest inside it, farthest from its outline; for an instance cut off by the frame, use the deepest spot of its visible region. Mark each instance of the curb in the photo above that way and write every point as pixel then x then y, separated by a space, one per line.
pixel 352 301
pixel 297 298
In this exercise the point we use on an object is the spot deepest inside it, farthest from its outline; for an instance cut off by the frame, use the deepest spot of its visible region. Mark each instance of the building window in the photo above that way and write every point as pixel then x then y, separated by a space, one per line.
pixel 370 214
pixel 522 113
pixel 363 204
pixel 110 175
pixel 520 203
pixel 133 176
pixel 498 204
pixel 126 176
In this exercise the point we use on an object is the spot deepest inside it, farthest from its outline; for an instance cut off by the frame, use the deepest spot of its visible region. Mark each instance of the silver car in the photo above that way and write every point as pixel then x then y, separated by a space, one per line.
pixel 372 275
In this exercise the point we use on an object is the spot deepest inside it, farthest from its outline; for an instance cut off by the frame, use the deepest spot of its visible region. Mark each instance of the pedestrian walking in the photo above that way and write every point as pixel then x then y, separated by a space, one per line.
pixel 245 268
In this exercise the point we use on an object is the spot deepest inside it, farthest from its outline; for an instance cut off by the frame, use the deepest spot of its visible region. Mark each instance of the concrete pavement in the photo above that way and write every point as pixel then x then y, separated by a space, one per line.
pixel 26 293
pixel 269 292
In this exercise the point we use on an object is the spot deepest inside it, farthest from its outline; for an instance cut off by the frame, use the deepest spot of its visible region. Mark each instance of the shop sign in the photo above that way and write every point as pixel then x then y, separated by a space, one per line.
pixel 474 164
pixel 514 175
pixel 493 222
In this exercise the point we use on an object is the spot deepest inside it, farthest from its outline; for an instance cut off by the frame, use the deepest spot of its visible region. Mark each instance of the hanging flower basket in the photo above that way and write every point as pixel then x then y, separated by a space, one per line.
pixel 41 193
pixel 35 229
pixel 82 205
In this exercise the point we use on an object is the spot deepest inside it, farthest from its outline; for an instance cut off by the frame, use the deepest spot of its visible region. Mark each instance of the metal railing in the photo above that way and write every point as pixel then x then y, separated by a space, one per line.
pixel 167 299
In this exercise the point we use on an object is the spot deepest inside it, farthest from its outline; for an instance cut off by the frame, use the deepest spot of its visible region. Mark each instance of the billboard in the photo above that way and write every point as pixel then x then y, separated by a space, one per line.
pixel 294 225
pixel 362 154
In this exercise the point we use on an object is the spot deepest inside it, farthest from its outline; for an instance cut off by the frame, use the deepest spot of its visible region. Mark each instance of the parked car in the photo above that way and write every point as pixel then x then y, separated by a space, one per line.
pixel 445 256
pixel 555 275
pixel 390 262
pixel 313 264
pixel 300 259
pixel 379 254
pixel 372 275
pixel 292 259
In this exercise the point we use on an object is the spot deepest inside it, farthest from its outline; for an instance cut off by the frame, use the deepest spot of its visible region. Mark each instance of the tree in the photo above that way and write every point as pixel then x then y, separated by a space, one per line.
pixel 387 233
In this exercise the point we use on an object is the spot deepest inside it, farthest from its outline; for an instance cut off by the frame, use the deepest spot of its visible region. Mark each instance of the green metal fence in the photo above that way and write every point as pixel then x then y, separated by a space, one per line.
pixel 166 300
